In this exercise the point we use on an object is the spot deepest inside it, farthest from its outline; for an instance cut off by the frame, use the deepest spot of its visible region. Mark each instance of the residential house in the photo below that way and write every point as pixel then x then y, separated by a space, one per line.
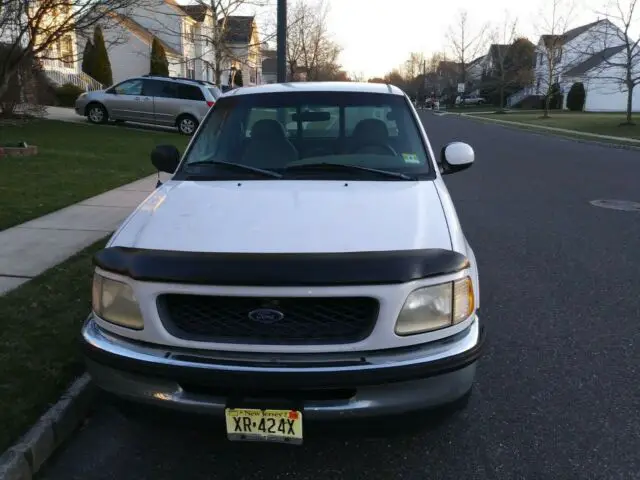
pixel 129 48
pixel 242 42
pixel 202 34
pixel 181 29
pixel 448 75
pixel 187 35
pixel 474 71
pixel 269 66
pixel 60 60
pixel 581 55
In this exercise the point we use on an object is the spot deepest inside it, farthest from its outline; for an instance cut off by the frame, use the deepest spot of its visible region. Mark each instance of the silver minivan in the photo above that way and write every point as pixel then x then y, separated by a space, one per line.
pixel 166 101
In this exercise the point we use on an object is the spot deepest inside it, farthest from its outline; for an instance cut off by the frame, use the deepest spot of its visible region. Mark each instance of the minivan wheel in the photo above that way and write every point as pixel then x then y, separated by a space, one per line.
pixel 97 114
pixel 187 125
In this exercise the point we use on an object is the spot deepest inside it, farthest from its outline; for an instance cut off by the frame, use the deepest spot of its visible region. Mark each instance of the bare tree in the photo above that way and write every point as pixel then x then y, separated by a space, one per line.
pixel 465 43
pixel 218 38
pixel 357 76
pixel 620 53
pixel 414 66
pixel 31 30
pixel 216 32
pixel 555 20
pixel 309 43
pixel 502 38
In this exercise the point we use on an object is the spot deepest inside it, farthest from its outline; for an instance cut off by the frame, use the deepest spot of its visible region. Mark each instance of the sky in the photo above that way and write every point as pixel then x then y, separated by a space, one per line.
pixel 378 35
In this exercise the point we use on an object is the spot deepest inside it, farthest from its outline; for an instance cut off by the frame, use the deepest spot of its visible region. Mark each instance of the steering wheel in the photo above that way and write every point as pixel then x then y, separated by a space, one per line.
pixel 376 148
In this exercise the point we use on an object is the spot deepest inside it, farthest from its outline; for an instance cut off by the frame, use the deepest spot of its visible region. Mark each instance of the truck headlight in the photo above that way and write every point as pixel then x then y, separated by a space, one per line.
pixel 115 303
pixel 435 307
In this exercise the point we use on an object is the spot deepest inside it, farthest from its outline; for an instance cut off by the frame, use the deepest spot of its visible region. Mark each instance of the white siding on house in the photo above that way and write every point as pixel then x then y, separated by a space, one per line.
pixel 604 90
pixel 162 20
pixel 574 52
pixel 604 96
pixel 128 54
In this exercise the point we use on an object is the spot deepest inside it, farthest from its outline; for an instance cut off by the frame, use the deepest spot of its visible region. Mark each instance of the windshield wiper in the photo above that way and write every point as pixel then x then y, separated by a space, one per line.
pixel 235 166
pixel 347 167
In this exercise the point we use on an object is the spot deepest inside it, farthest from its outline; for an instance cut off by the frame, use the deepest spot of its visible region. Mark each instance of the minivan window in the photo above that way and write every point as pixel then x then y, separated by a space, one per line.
pixel 189 92
pixel 160 88
pixel 215 92
pixel 129 87
pixel 275 131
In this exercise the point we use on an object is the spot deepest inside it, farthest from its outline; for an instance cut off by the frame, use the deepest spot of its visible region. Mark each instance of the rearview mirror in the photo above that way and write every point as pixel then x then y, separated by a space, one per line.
pixel 311 117
pixel 456 156
pixel 165 158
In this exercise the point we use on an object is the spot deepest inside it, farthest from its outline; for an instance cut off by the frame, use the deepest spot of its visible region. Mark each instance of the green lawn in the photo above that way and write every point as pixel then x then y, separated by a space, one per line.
pixel 599 123
pixel 74 162
pixel 39 352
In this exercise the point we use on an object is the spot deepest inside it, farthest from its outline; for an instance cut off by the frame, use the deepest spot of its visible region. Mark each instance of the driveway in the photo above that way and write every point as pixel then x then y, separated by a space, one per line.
pixel 63 114
pixel 557 395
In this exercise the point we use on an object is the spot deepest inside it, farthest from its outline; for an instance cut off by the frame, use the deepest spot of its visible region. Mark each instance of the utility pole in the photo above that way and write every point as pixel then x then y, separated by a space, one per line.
pixel 282 41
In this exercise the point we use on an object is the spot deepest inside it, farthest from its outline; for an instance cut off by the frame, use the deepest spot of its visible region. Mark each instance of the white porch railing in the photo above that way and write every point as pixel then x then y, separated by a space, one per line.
pixel 60 74
pixel 521 95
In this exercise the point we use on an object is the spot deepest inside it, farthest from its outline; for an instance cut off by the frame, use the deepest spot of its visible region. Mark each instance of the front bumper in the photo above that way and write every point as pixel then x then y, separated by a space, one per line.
pixel 324 386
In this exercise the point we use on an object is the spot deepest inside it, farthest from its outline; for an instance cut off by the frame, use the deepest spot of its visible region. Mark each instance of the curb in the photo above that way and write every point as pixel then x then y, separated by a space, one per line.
pixel 587 135
pixel 572 135
pixel 24 459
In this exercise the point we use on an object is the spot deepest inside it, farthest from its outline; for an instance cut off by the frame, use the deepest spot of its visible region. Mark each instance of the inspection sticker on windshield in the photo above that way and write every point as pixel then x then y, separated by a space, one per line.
pixel 410 158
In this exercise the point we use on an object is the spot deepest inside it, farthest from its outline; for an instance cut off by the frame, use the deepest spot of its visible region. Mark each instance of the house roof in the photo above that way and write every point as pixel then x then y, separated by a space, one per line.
pixel 141 32
pixel 269 54
pixel 569 34
pixel 593 61
pixel 476 61
pixel 197 12
pixel 239 29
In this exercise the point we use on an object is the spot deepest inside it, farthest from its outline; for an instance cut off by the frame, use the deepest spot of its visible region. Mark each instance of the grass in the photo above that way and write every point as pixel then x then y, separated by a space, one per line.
pixel 74 162
pixel 598 123
pixel 39 353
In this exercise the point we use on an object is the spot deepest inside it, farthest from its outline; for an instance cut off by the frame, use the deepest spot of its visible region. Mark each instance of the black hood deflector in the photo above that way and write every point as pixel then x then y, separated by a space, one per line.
pixel 280 269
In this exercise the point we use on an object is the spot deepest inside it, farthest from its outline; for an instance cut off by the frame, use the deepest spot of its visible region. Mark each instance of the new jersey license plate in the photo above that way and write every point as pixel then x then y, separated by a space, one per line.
pixel 264 425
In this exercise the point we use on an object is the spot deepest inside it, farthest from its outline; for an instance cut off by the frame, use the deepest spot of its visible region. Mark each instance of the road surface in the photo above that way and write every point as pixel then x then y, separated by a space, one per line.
pixel 557 394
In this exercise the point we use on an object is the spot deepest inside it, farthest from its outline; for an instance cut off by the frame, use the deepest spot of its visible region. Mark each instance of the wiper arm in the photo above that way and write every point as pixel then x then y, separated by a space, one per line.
pixel 236 166
pixel 347 167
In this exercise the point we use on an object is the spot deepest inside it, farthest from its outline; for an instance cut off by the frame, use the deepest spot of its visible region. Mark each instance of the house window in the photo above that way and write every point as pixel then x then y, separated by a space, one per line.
pixel 189 33
pixel 66 52
pixel 191 69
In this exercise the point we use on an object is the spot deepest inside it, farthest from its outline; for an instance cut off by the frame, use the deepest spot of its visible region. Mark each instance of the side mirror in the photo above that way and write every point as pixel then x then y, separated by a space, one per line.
pixel 455 157
pixel 165 158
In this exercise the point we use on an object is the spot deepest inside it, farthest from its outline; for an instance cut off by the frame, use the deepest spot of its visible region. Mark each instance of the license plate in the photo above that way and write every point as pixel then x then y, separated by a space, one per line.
pixel 264 425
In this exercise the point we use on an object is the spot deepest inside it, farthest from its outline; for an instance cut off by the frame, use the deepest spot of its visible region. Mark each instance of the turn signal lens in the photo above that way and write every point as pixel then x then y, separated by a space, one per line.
pixel 463 300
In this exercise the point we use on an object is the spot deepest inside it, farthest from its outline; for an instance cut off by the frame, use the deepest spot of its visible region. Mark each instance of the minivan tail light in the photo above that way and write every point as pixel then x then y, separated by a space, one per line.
pixel 210 103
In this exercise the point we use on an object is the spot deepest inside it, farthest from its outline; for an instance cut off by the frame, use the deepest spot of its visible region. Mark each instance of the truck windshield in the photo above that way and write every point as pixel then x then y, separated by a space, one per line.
pixel 278 131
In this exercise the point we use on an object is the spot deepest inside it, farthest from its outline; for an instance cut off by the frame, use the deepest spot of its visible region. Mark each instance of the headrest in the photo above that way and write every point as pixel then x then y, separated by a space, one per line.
pixel 371 128
pixel 267 130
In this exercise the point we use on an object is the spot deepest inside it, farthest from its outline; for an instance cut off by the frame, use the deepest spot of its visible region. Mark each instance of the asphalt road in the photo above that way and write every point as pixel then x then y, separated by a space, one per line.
pixel 557 395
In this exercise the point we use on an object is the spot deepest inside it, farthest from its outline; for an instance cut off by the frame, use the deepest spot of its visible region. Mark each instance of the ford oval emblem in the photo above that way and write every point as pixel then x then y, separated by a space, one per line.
pixel 266 315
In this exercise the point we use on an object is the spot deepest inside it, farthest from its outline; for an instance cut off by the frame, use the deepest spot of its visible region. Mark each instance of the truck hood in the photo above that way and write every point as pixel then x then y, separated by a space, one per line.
pixel 283 216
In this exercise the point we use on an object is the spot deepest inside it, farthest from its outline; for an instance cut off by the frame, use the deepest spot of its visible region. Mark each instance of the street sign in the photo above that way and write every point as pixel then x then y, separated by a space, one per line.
pixel 461 88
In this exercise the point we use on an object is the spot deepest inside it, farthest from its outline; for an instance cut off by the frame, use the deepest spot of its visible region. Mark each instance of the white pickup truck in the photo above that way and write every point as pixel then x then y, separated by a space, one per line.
pixel 293 269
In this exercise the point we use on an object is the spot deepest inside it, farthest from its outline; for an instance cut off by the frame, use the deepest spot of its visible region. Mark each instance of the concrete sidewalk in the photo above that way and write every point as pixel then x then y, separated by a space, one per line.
pixel 29 249
pixel 64 114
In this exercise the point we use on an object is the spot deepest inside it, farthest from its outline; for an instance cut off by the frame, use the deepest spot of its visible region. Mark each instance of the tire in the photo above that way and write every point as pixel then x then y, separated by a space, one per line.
pixel 97 114
pixel 187 124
